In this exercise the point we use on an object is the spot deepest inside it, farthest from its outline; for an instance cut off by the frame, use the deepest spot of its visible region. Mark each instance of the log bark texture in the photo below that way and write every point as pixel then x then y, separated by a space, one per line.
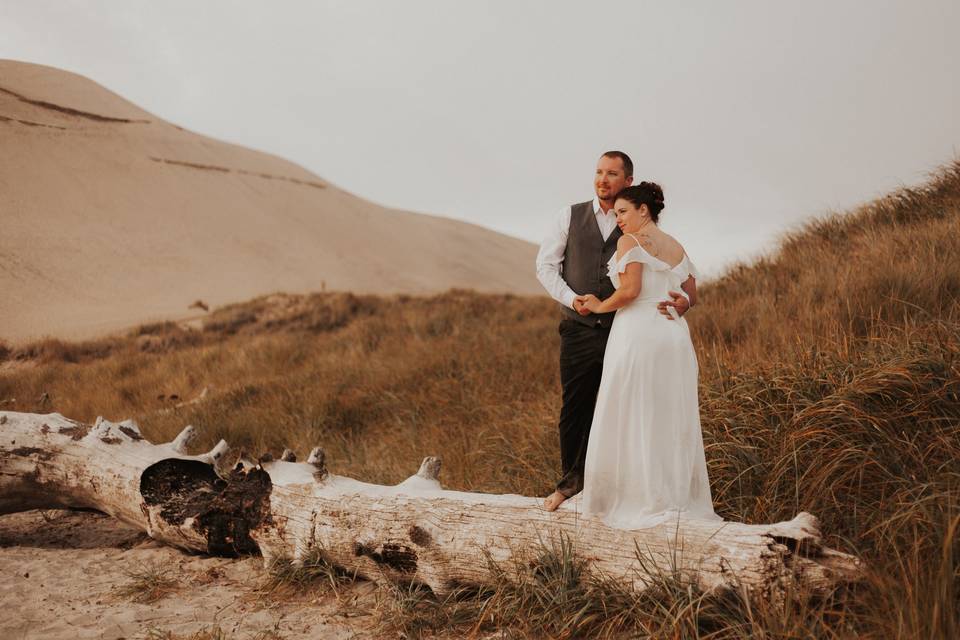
pixel 412 532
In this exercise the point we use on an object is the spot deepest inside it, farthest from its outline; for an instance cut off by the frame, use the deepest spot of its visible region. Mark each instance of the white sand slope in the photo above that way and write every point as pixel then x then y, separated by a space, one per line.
pixel 110 217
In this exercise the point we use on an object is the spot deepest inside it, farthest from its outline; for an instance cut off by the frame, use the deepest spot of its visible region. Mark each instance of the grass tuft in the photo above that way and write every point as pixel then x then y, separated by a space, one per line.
pixel 149 584
pixel 313 574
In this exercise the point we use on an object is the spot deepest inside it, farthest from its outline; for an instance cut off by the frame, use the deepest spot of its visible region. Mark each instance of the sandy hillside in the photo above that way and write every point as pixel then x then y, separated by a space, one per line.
pixel 110 216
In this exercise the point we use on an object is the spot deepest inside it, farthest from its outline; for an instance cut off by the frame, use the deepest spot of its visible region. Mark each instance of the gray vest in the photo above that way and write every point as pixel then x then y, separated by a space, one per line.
pixel 584 266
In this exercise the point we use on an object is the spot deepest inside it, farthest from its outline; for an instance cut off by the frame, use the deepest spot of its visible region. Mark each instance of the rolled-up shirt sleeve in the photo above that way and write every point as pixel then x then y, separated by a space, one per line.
pixel 550 257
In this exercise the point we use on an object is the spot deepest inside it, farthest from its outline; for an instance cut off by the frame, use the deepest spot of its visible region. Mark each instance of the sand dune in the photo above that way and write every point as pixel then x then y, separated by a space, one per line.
pixel 110 216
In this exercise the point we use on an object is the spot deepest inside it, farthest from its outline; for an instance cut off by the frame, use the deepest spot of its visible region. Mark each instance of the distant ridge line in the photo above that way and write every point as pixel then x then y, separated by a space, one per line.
pixel 30 123
pixel 213 167
pixel 69 110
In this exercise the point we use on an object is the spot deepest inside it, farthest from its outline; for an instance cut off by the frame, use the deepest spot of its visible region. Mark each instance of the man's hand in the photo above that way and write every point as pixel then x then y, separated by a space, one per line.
pixel 679 302
pixel 578 305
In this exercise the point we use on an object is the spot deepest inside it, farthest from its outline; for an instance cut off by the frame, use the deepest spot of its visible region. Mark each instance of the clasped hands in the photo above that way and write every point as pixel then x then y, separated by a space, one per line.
pixel 587 304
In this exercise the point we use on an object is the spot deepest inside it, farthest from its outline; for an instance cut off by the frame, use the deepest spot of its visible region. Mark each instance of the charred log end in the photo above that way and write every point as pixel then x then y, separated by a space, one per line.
pixel 175 486
pixel 398 557
pixel 288 456
pixel 222 511
pixel 242 506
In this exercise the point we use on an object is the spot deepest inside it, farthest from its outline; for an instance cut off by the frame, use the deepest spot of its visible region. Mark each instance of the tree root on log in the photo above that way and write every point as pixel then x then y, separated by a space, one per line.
pixel 413 532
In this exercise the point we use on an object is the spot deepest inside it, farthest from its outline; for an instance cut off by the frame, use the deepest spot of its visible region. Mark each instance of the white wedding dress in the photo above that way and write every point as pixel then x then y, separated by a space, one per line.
pixel 645 462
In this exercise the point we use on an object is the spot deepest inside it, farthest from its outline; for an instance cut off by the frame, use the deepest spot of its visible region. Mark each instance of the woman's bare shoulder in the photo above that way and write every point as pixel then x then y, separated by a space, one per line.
pixel 671 248
pixel 630 240
pixel 668 240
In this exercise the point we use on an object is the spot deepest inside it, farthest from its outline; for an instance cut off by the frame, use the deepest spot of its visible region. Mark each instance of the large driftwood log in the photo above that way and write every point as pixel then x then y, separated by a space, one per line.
pixel 412 532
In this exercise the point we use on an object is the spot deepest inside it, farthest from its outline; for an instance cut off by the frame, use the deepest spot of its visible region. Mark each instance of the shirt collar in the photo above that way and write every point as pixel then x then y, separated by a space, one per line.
pixel 596 206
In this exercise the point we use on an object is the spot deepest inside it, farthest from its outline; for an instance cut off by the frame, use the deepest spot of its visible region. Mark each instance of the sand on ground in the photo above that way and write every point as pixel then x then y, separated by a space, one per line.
pixel 64 572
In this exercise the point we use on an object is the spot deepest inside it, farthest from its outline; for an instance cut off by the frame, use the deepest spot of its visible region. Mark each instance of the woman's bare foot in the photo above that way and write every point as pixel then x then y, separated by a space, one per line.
pixel 553 501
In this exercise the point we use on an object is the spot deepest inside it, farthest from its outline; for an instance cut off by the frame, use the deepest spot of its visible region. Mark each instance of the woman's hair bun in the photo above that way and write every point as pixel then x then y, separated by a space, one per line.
pixel 648 193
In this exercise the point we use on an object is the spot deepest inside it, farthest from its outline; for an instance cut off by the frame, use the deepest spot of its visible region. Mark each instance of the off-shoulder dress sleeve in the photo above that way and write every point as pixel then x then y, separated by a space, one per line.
pixel 686 269
pixel 634 254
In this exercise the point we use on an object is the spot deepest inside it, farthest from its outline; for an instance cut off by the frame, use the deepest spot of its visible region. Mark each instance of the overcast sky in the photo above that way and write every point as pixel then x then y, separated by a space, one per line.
pixel 753 116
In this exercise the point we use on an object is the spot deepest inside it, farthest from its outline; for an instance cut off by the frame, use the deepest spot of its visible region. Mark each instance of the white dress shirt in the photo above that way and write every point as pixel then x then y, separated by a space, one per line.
pixel 554 246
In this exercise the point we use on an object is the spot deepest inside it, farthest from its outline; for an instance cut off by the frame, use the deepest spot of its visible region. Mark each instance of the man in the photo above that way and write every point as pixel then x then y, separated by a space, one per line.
pixel 571 263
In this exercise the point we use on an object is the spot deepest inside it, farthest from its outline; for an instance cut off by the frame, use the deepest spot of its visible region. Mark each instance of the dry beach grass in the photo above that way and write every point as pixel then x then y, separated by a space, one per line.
pixel 830 383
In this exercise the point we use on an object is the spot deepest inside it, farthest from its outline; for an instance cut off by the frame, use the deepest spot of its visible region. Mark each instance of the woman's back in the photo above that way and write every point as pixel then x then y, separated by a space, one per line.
pixel 660 245
pixel 645 461
pixel 660 274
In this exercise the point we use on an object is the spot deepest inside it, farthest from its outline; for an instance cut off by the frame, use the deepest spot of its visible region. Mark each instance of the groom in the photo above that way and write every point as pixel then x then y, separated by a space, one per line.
pixel 572 263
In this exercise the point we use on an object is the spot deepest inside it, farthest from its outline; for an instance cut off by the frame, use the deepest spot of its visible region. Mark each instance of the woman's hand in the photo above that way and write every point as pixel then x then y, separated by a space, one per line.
pixel 592 303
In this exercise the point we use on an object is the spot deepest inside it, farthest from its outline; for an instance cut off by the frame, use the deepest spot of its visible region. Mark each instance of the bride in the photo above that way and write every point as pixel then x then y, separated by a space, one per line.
pixel 645 462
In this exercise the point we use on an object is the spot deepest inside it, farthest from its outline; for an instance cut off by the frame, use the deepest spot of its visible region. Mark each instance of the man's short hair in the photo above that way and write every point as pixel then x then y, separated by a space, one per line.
pixel 624 158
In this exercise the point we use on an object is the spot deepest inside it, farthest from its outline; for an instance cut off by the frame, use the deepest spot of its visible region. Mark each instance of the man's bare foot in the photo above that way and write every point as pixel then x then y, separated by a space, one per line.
pixel 553 501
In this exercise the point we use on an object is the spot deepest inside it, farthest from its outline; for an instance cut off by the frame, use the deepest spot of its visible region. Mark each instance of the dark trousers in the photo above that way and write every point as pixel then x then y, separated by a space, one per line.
pixel 581 363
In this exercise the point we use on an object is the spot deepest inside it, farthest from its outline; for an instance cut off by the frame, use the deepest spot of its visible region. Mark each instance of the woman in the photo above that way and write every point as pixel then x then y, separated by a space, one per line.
pixel 645 462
